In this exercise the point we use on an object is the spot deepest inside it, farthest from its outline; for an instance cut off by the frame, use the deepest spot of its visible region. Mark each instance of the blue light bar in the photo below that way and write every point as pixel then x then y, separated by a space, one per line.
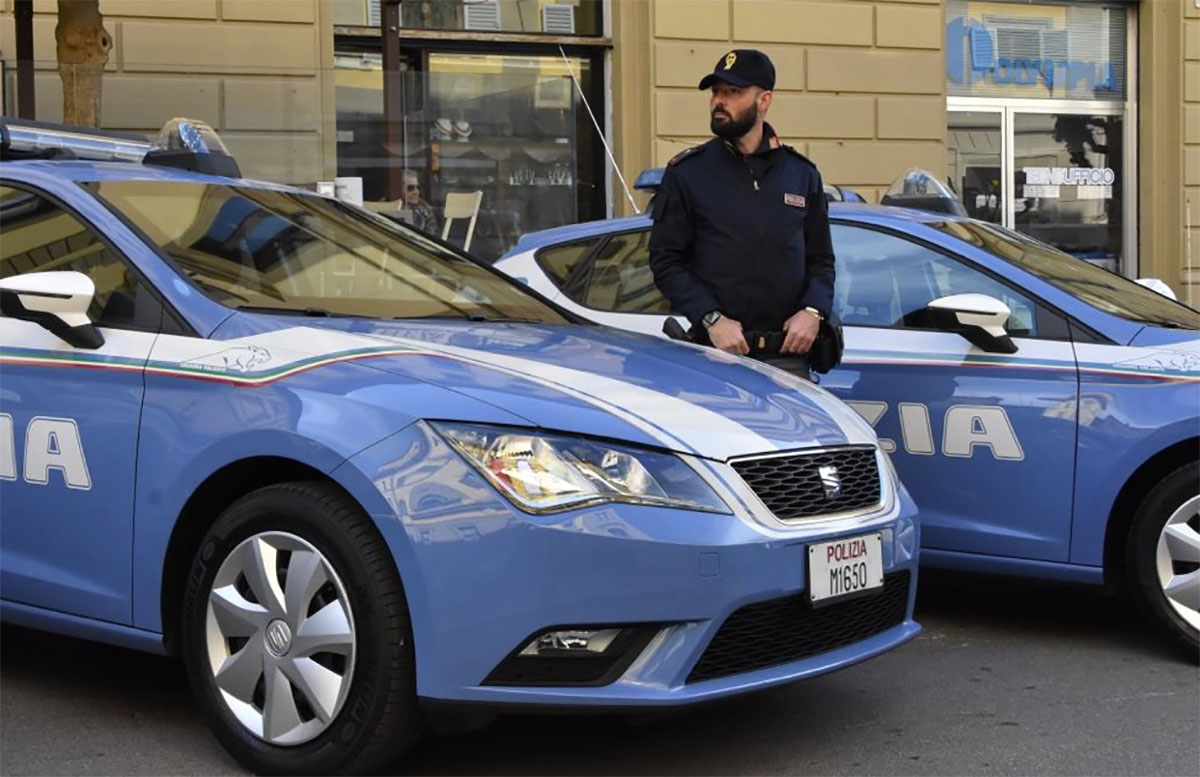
pixel 34 138
pixel 649 179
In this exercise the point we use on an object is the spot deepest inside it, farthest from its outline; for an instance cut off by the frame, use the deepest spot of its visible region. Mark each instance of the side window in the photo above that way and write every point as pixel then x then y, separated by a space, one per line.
pixel 560 261
pixel 621 280
pixel 39 236
pixel 887 281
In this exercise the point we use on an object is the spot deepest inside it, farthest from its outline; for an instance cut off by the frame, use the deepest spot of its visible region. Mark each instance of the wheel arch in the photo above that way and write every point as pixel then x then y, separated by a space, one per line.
pixel 214 494
pixel 1135 489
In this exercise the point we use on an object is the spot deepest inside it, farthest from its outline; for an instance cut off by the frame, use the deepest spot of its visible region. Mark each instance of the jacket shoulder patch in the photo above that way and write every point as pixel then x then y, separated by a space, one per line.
pixel 791 150
pixel 682 155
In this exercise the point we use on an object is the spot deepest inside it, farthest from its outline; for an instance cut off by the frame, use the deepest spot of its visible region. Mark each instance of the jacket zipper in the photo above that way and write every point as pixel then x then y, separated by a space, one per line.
pixel 749 169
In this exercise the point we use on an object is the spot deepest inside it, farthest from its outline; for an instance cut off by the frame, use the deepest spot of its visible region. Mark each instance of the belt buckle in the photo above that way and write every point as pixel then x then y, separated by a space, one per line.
pixel 762 342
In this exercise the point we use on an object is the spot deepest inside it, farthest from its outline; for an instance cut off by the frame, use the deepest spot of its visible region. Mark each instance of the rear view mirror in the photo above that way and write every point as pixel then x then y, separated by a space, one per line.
pixel 977 317
pixel 57 301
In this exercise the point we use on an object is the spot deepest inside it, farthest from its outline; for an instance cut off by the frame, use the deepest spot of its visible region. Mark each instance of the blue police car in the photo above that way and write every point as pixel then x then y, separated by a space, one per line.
pixel 351 475
pixel 1044 413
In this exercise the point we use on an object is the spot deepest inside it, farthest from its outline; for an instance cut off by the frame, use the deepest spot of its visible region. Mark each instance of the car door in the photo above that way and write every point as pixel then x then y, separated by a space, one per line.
pixel 985 442
pixel 69 420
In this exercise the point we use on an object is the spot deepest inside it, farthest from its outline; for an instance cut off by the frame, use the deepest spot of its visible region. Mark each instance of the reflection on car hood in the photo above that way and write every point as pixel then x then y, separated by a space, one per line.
pixel 580 379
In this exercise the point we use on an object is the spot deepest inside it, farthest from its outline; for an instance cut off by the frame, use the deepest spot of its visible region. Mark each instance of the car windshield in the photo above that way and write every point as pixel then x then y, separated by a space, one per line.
pixel 1094 285
pixel 264 249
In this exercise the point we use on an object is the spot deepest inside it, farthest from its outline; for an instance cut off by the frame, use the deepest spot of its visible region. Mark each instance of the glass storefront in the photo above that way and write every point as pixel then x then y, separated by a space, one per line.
pixel 509 129
pixel 487 127
pixel 1037 127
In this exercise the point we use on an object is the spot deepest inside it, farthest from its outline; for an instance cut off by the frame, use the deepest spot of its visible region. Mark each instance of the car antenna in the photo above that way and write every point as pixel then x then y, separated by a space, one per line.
pixel 599 132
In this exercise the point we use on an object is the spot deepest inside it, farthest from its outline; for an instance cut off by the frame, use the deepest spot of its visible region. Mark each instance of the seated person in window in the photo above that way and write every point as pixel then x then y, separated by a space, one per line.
pixel 415 210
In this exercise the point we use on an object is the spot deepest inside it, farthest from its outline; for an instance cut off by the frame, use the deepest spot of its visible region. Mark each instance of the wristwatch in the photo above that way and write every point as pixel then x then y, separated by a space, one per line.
pixel 815 312
pixel 710 318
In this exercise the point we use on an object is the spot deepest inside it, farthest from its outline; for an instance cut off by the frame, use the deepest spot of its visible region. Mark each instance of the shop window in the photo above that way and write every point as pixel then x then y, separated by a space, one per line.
pixel 510 128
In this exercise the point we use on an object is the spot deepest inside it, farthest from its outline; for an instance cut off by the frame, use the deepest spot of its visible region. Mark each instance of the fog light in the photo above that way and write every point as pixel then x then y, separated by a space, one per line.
pixel 571 642
pixel 579 655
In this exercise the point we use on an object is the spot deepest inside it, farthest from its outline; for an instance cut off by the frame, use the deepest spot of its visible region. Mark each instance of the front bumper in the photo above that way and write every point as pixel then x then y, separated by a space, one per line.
pixel 481 577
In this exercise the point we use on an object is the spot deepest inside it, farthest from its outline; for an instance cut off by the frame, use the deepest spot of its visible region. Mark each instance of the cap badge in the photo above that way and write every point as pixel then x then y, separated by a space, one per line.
pixel 730 58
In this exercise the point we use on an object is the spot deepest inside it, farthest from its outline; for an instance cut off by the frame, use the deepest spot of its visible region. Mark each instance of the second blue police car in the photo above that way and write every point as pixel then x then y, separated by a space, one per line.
pixel 346 472
pixel 1044 413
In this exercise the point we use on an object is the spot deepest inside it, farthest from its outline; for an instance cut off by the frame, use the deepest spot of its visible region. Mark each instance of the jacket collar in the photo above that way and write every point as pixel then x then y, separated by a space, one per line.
pixel 770 142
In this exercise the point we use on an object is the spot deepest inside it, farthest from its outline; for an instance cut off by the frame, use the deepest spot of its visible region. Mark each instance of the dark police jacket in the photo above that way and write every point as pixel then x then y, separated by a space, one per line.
pixel 748 236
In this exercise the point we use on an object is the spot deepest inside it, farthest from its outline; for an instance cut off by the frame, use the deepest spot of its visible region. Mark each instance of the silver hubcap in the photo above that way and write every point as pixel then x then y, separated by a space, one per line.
pixel 280 638
pixel 1178 561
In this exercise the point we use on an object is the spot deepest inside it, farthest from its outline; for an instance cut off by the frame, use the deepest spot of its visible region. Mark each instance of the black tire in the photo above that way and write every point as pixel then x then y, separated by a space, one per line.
pixel 380 717
pixel 1145 587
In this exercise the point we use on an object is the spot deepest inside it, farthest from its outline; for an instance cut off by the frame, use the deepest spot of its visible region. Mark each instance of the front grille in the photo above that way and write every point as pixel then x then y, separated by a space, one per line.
pixel 792 487
pixel 780 631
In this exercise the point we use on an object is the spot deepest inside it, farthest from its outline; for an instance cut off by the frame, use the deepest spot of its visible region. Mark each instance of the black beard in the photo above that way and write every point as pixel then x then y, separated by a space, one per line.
pixel 733 128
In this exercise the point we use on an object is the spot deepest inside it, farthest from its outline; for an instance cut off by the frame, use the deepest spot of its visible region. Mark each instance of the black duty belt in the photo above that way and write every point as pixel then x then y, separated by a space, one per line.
pixel 764 342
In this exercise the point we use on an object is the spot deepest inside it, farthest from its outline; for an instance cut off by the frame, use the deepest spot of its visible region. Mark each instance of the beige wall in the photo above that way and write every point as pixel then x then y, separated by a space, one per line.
pixel 1189 267
pixel 254 69
pixel 860 85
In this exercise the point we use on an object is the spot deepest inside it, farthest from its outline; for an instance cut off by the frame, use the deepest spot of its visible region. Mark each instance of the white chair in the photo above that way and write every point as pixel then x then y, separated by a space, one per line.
pixel 461 205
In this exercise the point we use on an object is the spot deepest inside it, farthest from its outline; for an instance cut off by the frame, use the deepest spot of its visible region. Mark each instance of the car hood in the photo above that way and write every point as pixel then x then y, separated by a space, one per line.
pixel 580 379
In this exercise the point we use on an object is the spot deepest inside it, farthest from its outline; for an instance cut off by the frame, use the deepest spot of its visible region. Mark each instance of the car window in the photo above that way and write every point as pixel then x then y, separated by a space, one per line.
pixel 259 248
pixel 1094 285
pixel 620 279
pixel 40 236
pixel 558 262
pixel 886 281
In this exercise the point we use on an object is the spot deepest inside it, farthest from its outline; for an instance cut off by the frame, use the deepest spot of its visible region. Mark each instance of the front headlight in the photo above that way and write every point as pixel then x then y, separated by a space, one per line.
pixel 543 473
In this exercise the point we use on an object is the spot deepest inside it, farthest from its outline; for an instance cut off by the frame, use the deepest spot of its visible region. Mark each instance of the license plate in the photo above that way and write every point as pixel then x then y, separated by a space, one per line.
pixel 845 568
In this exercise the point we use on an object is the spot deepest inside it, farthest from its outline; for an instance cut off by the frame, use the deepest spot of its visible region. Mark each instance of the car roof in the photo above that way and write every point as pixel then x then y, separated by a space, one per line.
pixel 82 171
pixel 875 214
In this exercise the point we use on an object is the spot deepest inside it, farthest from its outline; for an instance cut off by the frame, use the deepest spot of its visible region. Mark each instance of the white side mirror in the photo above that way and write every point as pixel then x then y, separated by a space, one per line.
pixel 977 317
pixel 1154 284
pixel 58 301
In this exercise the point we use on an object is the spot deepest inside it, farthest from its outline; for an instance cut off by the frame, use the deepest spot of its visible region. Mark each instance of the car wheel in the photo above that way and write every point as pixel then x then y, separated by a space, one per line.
pixel 1164 556
pixel 296 635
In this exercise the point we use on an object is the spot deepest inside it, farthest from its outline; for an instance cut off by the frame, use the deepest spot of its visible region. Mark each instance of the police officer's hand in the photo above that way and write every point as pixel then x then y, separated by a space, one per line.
pixel 727 335
pixel 800 330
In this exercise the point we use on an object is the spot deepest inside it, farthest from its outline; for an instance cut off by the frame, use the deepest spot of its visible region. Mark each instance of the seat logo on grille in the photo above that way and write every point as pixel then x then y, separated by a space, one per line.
pixel 831 481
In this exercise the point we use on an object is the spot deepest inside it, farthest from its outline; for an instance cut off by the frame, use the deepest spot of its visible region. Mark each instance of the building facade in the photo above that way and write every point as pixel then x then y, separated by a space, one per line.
pixel 1077 121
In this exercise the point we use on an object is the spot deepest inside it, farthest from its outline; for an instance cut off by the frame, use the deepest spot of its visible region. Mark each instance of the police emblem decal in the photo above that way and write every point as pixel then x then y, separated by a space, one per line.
pixel 830 481
pixel 730 58
pixel 795 200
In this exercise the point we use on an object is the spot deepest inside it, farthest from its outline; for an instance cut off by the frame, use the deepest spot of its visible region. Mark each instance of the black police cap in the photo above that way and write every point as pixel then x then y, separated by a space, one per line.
pixel 742 67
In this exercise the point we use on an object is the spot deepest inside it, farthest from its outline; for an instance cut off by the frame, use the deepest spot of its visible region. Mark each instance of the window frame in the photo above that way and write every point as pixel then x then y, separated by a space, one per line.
pixel 170 322
pixel 1052 323
pixel 583 274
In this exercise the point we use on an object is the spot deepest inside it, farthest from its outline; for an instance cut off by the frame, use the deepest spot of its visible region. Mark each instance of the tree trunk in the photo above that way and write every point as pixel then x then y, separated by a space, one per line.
pixel 83 46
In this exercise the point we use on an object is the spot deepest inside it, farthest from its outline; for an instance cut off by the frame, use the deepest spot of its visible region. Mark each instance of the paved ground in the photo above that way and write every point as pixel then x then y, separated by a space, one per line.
pixel 1008 678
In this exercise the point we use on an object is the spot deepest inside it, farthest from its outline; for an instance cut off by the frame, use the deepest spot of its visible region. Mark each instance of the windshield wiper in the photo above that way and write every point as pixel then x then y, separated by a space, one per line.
pixel 475 317
pixel 309 311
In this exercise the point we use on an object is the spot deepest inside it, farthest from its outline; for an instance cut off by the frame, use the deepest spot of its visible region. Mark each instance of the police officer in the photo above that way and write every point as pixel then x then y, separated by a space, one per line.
pixel 740 243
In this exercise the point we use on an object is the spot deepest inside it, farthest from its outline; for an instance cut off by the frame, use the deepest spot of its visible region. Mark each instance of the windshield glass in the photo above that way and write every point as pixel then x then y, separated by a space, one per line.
pixel 263 249
pixel 1094 285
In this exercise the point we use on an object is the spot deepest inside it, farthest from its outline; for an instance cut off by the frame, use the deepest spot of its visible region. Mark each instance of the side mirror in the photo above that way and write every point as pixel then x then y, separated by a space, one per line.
pixel 57 301
pixel 977 317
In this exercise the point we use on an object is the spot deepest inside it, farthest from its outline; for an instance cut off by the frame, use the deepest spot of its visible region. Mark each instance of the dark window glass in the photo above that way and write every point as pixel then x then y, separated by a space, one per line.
pixel 39 236
pixel 621 279
pixel 558 262
pixel 887 281
pixel 1094 285
pixel 265 248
